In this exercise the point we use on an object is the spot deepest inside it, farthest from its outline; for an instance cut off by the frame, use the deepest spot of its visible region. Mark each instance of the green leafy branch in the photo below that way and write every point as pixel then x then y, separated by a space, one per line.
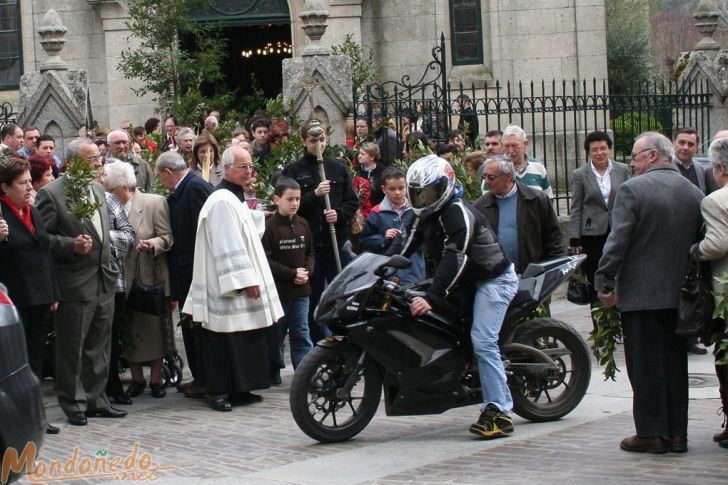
pixel 605 337
pixel 721 311
pixel 76 186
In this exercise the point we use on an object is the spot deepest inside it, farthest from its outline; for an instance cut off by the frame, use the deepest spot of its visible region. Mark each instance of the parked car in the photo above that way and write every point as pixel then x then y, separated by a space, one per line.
pixel 22 418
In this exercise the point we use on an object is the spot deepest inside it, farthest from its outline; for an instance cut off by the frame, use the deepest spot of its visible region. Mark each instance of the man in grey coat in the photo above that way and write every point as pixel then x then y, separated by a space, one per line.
pixel 81 251
pixel 655 220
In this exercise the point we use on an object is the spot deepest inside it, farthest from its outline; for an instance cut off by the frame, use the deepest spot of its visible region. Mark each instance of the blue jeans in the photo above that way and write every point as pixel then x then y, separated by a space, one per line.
pixel 296 322
pixel 492 298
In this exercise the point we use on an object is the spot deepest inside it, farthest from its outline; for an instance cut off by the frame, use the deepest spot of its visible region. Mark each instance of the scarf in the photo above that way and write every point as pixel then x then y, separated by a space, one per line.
pixel 25 217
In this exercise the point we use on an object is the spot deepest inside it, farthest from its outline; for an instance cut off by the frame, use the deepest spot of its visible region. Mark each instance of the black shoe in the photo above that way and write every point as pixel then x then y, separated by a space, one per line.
pixel 107 412
pixel 157 390
pixel 723 443
pixel 275 379
pixel 135 389
pixel 493 423
pixel 697 349
pixel 120 399
pixel 221 404
pixel 78 419
pixel 50 429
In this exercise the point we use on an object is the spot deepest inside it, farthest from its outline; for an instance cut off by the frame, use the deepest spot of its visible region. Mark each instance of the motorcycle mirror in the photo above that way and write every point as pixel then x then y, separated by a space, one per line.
pixel 397 261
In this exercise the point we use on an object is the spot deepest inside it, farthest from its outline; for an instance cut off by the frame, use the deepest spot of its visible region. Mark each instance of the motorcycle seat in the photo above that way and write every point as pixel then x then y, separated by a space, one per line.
pixel 525 292
pixel 535 269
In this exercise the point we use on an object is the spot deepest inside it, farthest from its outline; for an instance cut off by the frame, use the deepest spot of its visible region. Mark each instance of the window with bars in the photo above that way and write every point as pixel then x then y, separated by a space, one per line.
pixel 466 32
pixel 10 59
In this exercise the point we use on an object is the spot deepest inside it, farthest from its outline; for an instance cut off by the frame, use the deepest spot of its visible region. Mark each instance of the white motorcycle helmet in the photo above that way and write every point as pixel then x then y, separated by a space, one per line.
pixel 430 183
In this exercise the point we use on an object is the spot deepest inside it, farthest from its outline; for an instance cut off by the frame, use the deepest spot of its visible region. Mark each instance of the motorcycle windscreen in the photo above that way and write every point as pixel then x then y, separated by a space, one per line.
pixel 356 276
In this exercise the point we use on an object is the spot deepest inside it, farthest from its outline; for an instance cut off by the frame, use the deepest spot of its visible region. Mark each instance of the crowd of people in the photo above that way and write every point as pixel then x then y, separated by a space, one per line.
pixel 243 274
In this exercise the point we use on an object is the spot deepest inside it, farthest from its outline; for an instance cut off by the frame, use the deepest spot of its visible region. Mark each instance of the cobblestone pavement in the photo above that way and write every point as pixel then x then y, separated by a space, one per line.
pixel 260 443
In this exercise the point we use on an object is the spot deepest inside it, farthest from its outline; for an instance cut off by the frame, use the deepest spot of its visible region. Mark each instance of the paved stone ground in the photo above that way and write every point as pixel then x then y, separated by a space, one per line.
pixel 260 443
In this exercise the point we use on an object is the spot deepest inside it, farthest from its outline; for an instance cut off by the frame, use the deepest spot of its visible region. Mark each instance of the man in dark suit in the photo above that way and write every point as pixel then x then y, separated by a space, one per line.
pixel 655 221
pixel 522 217
pixel 82 254
pixel 170 126
pixel 686 144
pixel 189 193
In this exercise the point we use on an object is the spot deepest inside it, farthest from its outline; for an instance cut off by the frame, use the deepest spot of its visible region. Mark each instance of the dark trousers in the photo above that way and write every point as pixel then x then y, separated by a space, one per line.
pixel 275 337
pixel 190 336
pixel 323 272
pixel 114 387
pixel 592 246
pixel 657 366
pixel 83 345
pixel 36 324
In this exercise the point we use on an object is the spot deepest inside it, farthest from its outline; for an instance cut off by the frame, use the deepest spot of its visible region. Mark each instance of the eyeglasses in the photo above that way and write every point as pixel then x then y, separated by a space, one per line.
pixel 490 177
pixel 244 166
pixel 632 156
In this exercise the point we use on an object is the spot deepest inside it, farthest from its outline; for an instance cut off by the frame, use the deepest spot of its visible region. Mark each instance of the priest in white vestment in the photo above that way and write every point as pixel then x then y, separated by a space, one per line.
pixel 234 297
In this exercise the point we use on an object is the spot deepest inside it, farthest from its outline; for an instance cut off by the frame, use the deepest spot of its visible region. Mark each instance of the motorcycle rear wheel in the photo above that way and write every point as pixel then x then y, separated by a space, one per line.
pixel 318 404
pixel 548 398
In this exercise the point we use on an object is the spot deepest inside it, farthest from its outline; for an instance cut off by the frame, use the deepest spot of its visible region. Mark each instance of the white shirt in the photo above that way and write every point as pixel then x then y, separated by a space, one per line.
pixel 604 181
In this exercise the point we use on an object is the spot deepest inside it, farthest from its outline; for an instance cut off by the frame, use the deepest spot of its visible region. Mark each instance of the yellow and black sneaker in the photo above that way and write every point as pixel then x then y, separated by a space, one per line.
pixel 493 423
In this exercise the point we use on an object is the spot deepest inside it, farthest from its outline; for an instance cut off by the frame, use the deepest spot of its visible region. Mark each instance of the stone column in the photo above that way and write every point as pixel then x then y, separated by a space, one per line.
pixel 318 84
pixel 709 62
pixel 56 99
pixel 706 21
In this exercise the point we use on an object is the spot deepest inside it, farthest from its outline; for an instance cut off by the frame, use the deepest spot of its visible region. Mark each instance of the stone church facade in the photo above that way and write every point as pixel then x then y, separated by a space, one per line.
pixel 487 40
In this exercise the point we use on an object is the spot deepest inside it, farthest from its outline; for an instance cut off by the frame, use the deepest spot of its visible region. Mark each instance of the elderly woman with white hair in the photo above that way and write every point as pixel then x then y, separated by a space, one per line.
pixel 186 141
pixel 149 216
pixel 714 248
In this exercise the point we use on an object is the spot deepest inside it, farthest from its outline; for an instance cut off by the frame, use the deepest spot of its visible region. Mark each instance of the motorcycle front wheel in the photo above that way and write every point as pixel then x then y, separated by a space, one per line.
pixel 548 395
pixel 319 402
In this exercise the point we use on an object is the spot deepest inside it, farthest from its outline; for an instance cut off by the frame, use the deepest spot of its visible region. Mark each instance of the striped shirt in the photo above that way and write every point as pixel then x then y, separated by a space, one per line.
pixel 121 237
pixel 535 175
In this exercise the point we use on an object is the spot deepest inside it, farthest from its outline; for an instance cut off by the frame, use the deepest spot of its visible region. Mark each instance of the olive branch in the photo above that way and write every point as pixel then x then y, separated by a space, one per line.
pixel 76 183
pixel 721 311
pixel 605 337
pixel 4 160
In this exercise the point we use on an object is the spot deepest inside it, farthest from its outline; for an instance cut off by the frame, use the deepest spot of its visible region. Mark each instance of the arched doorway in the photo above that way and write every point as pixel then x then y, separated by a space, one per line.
pixel 258 34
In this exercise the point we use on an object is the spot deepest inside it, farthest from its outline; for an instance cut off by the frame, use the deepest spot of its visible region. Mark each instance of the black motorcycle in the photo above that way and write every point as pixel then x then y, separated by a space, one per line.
pixel 425 363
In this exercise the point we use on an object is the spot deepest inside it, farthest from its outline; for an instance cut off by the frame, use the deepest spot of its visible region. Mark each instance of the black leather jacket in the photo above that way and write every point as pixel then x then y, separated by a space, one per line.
pixel 463 244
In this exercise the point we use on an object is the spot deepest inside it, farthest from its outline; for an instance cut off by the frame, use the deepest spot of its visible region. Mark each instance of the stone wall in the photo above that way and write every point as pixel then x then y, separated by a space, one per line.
pixel 522 40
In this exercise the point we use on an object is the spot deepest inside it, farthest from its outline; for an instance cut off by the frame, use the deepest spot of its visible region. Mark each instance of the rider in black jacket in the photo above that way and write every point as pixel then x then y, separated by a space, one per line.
pixel 466 250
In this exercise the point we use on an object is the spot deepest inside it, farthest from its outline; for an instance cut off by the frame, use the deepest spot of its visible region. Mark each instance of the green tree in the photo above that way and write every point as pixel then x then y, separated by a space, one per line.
pixel 364 68
pixel 629 51
pixel 173 75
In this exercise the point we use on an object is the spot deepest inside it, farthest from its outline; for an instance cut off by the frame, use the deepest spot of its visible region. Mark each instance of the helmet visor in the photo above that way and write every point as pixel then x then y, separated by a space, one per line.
pixel 423 197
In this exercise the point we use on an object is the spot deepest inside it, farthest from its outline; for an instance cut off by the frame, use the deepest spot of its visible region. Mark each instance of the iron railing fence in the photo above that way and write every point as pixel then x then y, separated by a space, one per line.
pixel 557 115
pixel 7 113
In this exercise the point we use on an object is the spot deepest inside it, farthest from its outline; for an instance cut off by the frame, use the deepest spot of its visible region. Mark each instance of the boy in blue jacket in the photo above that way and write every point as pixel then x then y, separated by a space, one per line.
pixel 391 218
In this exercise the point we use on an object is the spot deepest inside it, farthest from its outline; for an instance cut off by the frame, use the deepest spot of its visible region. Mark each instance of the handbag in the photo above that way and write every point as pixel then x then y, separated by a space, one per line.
pixel 578 289
pixel 145 298
pixel 696 303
